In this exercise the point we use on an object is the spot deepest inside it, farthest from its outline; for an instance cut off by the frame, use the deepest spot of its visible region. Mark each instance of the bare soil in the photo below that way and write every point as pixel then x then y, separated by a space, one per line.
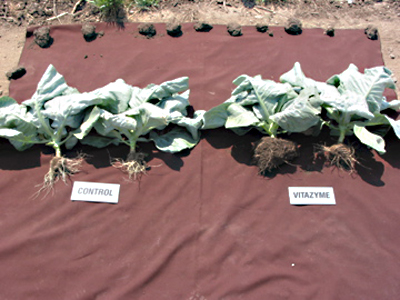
pixel 17 15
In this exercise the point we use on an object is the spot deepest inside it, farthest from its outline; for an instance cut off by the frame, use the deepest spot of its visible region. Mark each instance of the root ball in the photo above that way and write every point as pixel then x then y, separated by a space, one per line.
pixel 270 153
pixel 341 156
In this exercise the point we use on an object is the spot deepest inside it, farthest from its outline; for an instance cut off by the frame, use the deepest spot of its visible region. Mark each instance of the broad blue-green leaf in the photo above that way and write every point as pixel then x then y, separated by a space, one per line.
pixel 370 139
pixel 177 103
pixel 395 125
pixel 243 130
pixel 10 133
pixel 253 90
pixel 176 140
pixel 115 96
pixel 148 117
pixel 369 85
pixel 350 103
pixel 296 78
pixel 71 142
pixel 10 112
pixel 216 117
pixel 18 139
pixel 192 125
pixel 99 141
pixel 108 122
pixel 15 124
pixel 244 84
pixel 51 85
pixel 301 113
pixel 394 104
pixel 238 116
pixel 153 91
pixel 88 123
pixel 6 102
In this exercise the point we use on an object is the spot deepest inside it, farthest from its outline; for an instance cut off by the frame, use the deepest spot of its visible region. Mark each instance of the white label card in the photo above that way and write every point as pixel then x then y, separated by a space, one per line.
pixel 311 196
pixel 95 192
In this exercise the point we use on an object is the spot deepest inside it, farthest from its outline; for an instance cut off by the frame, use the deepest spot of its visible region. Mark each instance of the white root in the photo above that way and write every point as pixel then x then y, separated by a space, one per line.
pixel 135 165
pixel 60 168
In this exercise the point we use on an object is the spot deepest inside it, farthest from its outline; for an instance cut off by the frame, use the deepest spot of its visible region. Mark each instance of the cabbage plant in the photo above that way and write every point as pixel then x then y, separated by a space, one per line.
pixel 53 116
pixel 59 116
pixel 272 108
pixel 156 113
pixel 356 107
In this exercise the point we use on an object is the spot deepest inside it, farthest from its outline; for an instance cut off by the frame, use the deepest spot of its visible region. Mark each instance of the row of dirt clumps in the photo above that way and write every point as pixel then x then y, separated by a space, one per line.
pixel 174 29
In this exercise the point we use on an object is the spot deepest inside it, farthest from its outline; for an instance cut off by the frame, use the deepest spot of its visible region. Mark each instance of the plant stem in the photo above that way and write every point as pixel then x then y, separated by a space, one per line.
pixel 273 128
pixel 58 150
pixel 342 135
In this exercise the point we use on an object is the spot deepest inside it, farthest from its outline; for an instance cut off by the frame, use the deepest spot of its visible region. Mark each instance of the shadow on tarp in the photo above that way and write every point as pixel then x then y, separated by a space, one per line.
pixel 368 169
pixel 392 150
pixel 12 159
pixel 102 158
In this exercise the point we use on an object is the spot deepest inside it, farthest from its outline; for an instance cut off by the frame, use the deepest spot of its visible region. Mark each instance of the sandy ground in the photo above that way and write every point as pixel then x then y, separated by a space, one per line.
pixel 384 15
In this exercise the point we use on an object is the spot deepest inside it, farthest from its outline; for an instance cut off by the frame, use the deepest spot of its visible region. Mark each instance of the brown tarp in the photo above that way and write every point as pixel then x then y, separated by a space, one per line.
pixel 202 224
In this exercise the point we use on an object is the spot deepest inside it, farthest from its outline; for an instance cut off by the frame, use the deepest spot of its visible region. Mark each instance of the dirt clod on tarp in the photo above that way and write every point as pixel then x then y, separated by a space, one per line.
pixel 330 31
pixel 270 153
pixel 16 73
pixel 371 32
pixel 202 26
pixel 174 29
pixel 234 29
pixel 262 27
pixel 147 29
pixel 89 32
pixel 293 26
pixel 42 37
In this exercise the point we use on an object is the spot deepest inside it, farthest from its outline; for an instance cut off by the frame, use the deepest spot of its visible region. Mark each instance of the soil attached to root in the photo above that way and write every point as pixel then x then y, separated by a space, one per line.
pixel 270 153
pixel 60 168
pixel 135 165
pixel 340 155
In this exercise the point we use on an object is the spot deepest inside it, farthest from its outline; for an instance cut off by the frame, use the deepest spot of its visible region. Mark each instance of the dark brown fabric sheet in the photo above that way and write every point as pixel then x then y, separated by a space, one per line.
pixel 202 224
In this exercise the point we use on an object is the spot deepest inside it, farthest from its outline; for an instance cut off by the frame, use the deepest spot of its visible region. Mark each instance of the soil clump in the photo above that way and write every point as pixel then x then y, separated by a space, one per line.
pixel 270 153
pixel 330 32
pixel 89 32
pixel 294 26
pixel 202 26
pixel 16 73
pixel 147 29
pixel 262 27
pixel 42 37
pixel 371 32
pixel 234 29
pixel 174 29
